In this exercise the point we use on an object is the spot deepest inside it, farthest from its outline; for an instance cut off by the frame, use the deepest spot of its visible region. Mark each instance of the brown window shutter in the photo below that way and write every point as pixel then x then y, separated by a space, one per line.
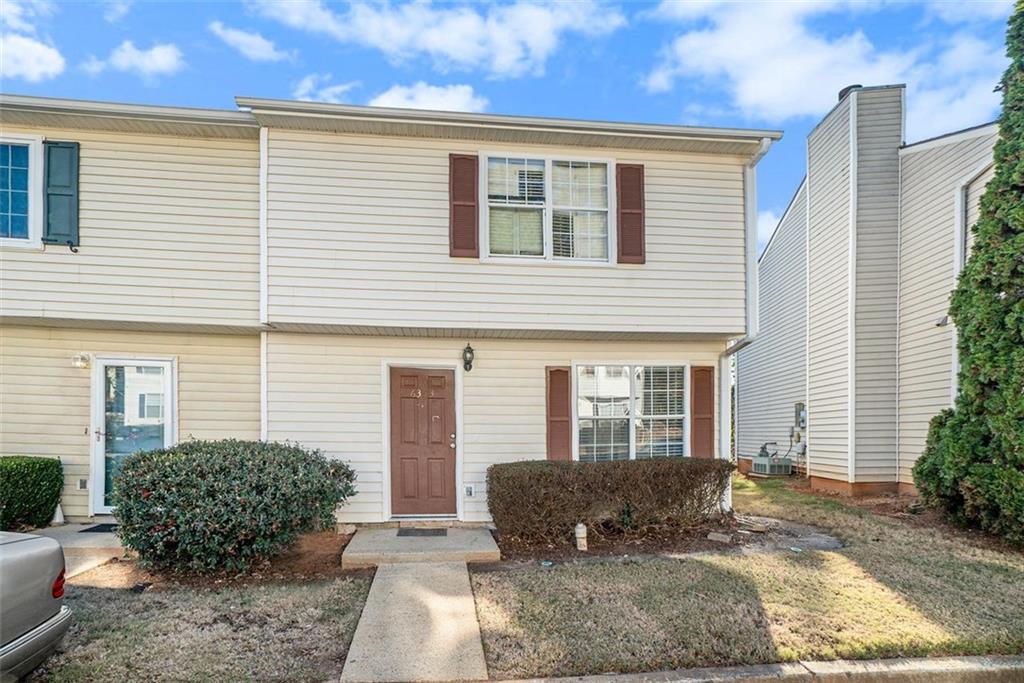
pixel 629 186
pixel 702 412
pixel 463 201
pixel 559 409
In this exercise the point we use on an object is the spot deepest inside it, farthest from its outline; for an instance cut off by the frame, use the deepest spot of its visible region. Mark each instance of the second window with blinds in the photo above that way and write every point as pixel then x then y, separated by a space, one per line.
pixel 548 209
pixel 625 412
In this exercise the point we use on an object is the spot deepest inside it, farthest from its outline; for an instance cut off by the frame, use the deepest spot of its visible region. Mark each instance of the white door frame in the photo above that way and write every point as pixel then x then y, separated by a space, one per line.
pixel 97 438
pixel 385 404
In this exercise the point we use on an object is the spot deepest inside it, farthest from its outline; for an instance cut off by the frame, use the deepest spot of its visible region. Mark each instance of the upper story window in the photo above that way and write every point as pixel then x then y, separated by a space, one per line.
pixel 20 190
pixel 550 209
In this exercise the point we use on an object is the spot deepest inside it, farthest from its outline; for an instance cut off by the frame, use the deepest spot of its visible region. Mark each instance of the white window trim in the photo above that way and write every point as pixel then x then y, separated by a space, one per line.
pixel 35 191
pixel 548 209
pixel 632 400
pixel 157 402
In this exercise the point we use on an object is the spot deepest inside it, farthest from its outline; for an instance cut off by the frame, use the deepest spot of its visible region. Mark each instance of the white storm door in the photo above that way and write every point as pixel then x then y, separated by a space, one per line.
pixel 133 410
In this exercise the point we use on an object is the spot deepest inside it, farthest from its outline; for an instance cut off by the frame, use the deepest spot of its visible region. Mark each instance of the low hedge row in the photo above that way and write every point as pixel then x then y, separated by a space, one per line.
pixel 29 490
pixel 542 501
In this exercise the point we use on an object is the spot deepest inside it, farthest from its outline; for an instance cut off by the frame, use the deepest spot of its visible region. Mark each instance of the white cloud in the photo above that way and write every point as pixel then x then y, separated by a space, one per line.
pixel 424 96
pixel 252 45
pixel 504 40
pixel 20 15
pixel 27 58
pixel 316 88
pixel 766 222
pixel 116 10
pixel 954 12
pixel 774 65
pixel 22 53
pixel 163 59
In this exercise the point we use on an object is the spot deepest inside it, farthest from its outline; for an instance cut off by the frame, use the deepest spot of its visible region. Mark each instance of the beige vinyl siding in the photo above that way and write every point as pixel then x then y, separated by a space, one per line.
pixel 169 231
pixel 828 189
pixel 972 203
pixel 358 236
pixel 879 136
pixel 45 402
pixel 326 391
pixel 771 373
pixel 930 179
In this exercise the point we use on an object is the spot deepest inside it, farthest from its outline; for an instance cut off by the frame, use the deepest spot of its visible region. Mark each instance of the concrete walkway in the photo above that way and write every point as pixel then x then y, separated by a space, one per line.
pixel 993 669
pixel 83 550
pixel 419 624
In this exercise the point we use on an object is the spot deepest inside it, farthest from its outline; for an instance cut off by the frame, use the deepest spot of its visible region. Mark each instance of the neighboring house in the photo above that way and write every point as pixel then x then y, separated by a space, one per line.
pixel 853 291
pixel 420 294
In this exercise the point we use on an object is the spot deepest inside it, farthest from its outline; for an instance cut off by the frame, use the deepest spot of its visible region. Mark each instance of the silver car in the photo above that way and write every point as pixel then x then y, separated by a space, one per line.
pixel 33 617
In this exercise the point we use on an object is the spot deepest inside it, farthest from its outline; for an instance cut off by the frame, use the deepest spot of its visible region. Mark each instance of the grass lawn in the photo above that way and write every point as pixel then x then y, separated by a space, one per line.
pixel 273 631
pixel 896 589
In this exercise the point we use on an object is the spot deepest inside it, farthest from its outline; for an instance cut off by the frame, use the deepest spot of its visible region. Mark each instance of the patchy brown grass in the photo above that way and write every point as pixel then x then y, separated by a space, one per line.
pixel 897 589
pixel 131 625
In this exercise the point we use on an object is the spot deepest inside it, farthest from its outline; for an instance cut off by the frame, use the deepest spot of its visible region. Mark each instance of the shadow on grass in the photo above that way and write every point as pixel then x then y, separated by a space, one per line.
pixel 973 596
pixel 625 617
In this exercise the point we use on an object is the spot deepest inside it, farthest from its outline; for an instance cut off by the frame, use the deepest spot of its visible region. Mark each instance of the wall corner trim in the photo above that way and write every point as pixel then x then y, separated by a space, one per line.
pixel 851 417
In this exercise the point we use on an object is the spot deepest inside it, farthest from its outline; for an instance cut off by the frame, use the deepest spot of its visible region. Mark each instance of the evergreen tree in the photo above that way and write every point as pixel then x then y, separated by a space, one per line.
pixel 973 463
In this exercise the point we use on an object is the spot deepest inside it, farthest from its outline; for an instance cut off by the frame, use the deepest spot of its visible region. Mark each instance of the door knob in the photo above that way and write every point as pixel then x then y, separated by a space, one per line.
pixel 451 445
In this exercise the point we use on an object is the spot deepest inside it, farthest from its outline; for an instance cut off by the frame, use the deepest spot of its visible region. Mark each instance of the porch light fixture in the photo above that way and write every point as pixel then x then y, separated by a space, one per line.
pixel 81 361
pixel 467 358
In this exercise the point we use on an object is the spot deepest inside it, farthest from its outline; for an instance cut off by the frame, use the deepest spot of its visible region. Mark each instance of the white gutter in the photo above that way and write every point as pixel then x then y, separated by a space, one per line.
pixel 258 106
pixel 750 242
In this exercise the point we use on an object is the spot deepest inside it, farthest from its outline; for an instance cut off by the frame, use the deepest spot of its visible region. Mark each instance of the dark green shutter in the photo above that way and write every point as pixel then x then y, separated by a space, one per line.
pixel 60 190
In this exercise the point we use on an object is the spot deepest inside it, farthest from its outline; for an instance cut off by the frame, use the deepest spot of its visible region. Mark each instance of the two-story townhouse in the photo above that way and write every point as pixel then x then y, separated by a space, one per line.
pixel 433 293
pixel 854 289
pixel 129 283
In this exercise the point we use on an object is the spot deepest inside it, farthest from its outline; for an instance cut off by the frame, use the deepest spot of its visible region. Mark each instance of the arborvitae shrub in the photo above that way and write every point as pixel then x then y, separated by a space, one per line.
pixel 973 464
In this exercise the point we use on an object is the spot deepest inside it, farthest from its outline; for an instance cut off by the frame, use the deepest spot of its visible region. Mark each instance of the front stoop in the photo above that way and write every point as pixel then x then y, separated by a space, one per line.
pixel 83 550
pixel 374 547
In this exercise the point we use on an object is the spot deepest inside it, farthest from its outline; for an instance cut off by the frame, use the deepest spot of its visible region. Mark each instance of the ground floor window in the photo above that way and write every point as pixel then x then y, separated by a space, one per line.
pixel 630 411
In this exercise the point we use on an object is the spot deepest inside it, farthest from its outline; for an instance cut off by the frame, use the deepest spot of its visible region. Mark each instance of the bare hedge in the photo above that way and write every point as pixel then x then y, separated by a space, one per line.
pixel 541 501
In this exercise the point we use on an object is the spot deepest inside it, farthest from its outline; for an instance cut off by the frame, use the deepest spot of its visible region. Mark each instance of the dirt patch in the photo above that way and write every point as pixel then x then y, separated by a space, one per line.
pixel 744 534
pixel 908 509
pixel 314 557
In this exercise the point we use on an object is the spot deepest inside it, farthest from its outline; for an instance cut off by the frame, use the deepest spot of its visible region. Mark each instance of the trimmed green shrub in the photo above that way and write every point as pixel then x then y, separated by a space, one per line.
pixel 973 463
pixel 224 505
pixel 542 501
pixel 29 490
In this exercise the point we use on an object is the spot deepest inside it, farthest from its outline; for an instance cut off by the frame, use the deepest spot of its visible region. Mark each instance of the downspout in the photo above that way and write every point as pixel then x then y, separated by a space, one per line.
pixel 726 422
pixel 263 281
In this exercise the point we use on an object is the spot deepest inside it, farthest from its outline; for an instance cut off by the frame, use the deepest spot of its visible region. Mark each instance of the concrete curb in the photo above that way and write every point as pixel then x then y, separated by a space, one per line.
pixel 995 669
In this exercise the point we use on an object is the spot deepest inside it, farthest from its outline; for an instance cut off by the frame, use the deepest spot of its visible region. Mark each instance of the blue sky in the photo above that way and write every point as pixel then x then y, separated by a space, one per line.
pixel 704 62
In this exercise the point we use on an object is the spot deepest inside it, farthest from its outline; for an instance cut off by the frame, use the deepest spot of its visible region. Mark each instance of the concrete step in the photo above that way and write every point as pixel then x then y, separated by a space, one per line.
pixel 374 547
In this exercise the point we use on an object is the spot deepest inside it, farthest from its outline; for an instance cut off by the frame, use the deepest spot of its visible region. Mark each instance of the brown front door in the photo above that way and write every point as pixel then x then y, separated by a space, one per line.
pixel 422 442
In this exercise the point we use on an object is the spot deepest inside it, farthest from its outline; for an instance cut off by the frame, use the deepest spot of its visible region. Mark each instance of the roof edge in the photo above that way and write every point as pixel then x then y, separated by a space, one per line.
pixel 30 104
pixel 951 137
pixel 424 116
pixel 782 219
